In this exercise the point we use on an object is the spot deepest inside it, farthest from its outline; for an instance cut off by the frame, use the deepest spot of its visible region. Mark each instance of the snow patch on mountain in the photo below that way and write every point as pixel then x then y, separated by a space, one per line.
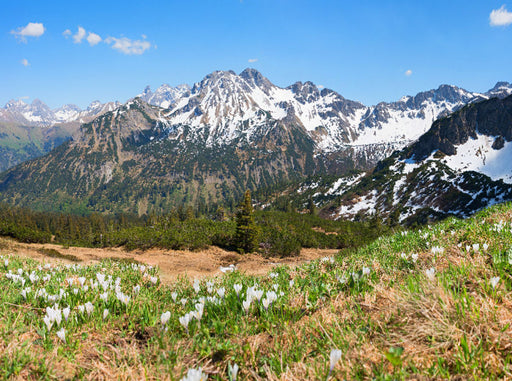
pixel 341 185
pixel 365 204
pixel 478 155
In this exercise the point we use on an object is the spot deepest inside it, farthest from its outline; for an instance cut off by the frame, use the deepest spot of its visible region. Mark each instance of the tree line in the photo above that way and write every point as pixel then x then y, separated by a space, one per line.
pixel 273 232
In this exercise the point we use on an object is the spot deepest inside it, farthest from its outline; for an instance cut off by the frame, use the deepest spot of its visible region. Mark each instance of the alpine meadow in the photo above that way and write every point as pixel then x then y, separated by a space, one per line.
pixel 244 190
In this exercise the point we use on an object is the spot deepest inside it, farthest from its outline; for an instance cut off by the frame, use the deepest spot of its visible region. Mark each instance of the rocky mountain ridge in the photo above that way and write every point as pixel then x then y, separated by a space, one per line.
pixel 225 134
pixel 39 114
pixel 227 102
pixel 458 167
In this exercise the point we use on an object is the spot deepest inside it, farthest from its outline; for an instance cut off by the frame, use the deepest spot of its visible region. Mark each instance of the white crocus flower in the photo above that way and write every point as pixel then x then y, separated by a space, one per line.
pixel 48 322
pixel 105 313
pixel 247 304
pixel 33 277
pixel 334 358
pixel 200 310
pixel 196 286
pixel 195 375
pixel 233 372
pixel 342 279
pixel 494 281
pixel 62 334
pixel 25 292
pixel 431 273
pixel 185 320
pixel 164 318
pixel 100 277
pixel 258 294
pixel 123 298
pixel 437 250
pixel 89 308
pixel 238 288
pixel 65 312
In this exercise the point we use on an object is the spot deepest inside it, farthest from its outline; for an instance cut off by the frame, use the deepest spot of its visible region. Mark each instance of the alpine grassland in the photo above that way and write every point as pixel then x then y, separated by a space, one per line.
pixel 433 303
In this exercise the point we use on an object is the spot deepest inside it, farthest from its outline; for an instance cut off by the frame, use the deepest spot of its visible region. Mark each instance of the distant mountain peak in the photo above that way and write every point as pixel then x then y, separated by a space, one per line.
pixel 501 84
pixel 14 103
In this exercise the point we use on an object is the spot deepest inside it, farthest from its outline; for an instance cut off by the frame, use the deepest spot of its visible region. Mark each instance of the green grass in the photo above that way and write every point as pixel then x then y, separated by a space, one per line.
pixel 376 304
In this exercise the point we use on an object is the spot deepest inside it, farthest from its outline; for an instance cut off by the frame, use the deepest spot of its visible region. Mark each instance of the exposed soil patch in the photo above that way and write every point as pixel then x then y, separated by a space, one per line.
pixel 172 263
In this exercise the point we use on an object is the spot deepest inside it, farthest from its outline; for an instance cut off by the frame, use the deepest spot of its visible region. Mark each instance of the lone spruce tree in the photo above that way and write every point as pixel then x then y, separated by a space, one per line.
pixel 246 230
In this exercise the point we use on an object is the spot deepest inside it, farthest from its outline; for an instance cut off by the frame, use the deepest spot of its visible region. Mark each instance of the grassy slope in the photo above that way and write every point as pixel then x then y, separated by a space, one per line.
pixel 453 324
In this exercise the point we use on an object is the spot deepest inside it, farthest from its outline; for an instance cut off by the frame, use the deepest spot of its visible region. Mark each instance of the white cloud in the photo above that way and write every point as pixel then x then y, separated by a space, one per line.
pixel 320 87
pixel 67 33
pixel 500 17
pixel 25 62
pixel 93 39
pixel 251 60
pixel 79 36
pixel 33 29
pixel 408 73
pixel 127 46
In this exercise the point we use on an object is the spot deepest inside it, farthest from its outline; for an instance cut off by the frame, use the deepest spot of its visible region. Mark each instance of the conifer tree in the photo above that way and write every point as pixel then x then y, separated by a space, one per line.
pixel 311 206
pixel 246 238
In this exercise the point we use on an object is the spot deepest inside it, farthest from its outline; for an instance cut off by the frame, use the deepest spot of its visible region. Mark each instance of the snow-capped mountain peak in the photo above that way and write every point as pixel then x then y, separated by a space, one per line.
pixel 165 95
pixel 225 105
pixel 500 90
pixel 67 113
pixel 39 114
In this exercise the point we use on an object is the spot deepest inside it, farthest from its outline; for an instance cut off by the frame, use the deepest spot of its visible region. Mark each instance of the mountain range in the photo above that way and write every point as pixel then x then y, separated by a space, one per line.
pixel 204 144
pixel 31 130
pixel 39 114
pixel 460 165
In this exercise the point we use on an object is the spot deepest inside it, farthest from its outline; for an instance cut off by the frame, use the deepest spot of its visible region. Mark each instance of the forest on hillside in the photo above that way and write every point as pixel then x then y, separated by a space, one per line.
pixel 274 232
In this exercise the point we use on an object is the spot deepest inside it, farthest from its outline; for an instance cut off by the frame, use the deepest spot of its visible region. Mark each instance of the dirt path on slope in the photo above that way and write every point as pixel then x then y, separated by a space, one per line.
pixel 172 263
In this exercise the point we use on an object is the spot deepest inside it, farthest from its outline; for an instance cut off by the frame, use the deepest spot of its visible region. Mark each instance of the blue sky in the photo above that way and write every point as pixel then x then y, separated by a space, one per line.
pixel 361 49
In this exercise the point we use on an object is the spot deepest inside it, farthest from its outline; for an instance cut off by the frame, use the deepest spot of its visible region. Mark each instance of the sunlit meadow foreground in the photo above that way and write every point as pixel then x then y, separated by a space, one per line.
pixel 430 303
